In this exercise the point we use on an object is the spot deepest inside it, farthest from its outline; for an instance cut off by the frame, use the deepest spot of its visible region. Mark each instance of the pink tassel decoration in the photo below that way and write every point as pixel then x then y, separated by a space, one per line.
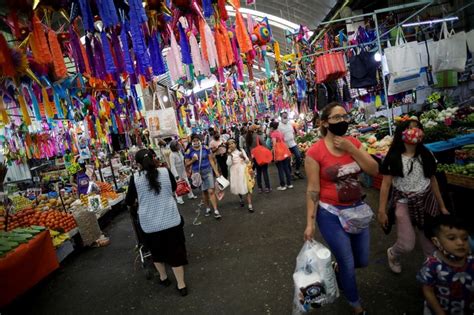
pixel 211 47
pixel 196 56
pixel 173 58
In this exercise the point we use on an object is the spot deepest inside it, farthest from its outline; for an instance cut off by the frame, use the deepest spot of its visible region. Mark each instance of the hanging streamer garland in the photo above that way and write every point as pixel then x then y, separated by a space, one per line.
pixel 222 10
pixel 207 8
pixel 7 68
pixel 125 49
pixel 198 62
pixel 3 112
pixel 209 49
pixel 24 109
pixel 77 49
pixel 238 61
pixel 87 17
pixel 38 42
pixel 99 63
pixel 139 47
pixel 107 12
pixel 117 51
pixel 173 59
pixel 243 38
pixel 59 66
pixel 158 64
pixel 34 101
pixel 47 104
pixel 109 59
pixel 276 49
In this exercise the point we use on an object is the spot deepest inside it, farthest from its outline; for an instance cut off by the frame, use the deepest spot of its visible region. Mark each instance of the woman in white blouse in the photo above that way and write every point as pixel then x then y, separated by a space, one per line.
pixel 177 168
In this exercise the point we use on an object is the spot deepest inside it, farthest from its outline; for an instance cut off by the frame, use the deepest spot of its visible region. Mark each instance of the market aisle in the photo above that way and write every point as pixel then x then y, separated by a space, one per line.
pixel 241 265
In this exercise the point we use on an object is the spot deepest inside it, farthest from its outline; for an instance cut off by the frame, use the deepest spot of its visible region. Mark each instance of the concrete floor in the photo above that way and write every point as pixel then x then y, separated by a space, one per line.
pixel 240 265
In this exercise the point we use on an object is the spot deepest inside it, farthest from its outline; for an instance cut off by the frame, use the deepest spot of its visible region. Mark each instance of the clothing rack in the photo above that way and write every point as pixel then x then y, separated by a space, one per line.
pixel 377 41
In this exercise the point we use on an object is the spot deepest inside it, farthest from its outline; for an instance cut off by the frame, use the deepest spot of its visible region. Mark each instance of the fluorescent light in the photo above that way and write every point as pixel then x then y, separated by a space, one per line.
pixel 454 18
pixel 273 19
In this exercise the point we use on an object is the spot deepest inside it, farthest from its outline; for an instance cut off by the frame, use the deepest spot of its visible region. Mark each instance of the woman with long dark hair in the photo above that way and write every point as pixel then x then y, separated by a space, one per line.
pixel 159 218
pixel 334 198
pixel 409 168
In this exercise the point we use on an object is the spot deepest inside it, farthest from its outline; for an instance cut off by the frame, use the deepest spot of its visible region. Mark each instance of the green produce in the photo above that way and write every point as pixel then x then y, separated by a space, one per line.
pixel 467 170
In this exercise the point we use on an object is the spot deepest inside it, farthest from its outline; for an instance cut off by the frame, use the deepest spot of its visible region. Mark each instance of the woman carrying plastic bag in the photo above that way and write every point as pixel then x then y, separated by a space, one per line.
pixel 314 278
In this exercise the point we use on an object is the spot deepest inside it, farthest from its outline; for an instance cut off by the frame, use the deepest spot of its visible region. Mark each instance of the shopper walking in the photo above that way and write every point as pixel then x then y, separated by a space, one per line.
pixel 154 189
pixel 288 132
pixel 409 168
pixel 332 166
pixel 282 162
pixel 238 162
pixel 203 163
pixel 257 137
pixel 219 149
pixel 177 168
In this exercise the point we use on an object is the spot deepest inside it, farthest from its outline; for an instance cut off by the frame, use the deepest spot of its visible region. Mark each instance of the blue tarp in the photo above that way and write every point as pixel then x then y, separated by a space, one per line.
pixel 453 143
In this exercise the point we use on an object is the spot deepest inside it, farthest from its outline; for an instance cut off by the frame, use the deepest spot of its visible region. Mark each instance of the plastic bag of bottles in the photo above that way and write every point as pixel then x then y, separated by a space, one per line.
pixel 314 278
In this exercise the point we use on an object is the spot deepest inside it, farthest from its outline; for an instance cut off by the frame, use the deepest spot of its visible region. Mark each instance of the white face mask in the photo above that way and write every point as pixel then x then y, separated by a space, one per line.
pixel 197 144
pixel 284 120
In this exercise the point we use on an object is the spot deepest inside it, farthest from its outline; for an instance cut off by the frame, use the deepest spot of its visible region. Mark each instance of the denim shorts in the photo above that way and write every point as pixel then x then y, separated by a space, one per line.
pixel 207 180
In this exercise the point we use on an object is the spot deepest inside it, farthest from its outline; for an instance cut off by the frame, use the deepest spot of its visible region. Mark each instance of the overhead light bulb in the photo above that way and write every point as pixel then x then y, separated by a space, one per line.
pixel 165 98
pixel 378 57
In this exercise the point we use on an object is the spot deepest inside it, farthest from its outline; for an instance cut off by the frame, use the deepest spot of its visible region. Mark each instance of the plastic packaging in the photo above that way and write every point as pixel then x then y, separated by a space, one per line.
pixel 314 278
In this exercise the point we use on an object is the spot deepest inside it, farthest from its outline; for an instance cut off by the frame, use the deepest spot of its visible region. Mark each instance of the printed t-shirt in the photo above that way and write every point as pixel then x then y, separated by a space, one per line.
pixel 205 163
pixel 338 175
pixel 453 286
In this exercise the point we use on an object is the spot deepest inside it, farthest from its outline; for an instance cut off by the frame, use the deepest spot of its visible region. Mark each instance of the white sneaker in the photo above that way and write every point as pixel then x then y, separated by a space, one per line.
pixel 180 202
pixel 393 262
pixel 217 215
pixel 290 186
pixel 208 212
pixel 192 197
pixel 281 188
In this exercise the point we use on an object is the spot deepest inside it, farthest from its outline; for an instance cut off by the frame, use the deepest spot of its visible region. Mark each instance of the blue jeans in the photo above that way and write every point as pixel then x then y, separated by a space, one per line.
pixel 351 251
pixel 284 170
pixel 296 152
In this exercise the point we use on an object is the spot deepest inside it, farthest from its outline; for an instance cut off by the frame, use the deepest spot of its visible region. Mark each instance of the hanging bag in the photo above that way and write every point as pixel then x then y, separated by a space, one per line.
pixel 196 178
pixel 451 53
pixel 281 151
pixel 261 154
pixel 363 70
pixel 403 59
pixel 330 66
pixel 182 188
pixel 161 122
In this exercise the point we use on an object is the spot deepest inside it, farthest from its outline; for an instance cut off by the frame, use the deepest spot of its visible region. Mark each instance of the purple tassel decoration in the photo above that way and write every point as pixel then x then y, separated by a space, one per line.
pixel 238 60
pixel 90 56
pixel 76 51
pixel 155 54
pixel 207 8
pixel 137 11
pixel 107 12
pixel 109 59
pixel 87 18
pixel 99 59
pixel 117 52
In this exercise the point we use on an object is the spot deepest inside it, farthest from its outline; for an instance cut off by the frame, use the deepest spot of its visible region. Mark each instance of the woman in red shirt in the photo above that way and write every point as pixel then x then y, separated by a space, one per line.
pixel 334 195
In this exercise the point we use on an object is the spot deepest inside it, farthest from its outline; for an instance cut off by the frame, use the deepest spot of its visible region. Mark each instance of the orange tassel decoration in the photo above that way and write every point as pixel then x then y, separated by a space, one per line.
pixel 6 64
pixel 60 70
pixel 24 110
pixel 3 112
pixel 47 104
pixel 236 4
pixel 202 31
pixel 38 43
pixel 242 34
pixel 223 46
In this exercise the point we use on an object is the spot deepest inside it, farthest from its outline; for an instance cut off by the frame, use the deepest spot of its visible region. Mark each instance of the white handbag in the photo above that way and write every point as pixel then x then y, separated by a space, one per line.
pixel 451 52
pixel 403 59
pixel 222 182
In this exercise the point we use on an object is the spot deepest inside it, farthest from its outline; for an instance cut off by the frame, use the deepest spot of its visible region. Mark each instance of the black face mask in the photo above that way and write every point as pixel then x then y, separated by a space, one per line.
pixel 339 129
